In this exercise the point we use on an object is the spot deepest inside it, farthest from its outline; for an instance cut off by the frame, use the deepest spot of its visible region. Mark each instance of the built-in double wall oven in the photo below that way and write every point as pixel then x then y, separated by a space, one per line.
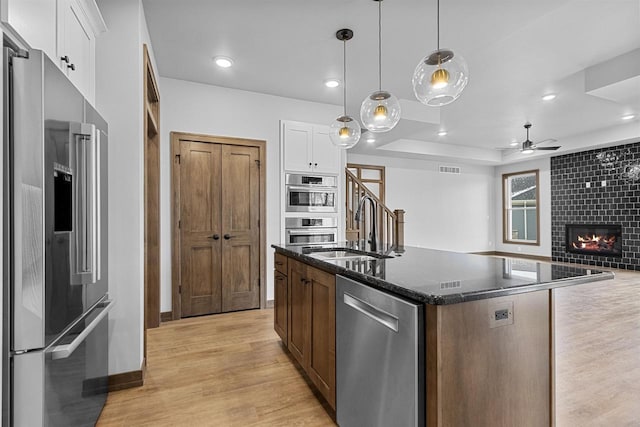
pixel 311 208
pixel 311 193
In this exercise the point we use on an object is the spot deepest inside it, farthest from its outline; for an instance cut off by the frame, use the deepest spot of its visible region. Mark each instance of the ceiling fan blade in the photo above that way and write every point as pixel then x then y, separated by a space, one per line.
pixel 506 148
pixel 547 148
pixel 547 140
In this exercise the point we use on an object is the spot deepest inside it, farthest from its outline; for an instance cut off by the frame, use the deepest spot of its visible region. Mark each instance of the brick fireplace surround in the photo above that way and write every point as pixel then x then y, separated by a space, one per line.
pixel 618 202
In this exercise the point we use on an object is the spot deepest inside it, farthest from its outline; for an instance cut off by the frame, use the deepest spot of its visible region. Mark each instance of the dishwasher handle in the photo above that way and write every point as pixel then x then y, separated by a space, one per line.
pixel 372 312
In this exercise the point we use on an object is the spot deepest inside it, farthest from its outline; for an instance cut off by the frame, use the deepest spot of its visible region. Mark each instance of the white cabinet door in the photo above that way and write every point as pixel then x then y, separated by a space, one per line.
pixel 34 21
pixel 76 45
pixel 297 145
pixel 325 155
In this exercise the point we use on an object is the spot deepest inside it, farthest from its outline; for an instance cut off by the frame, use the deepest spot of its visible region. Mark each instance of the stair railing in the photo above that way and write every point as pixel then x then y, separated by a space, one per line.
pixel 390 223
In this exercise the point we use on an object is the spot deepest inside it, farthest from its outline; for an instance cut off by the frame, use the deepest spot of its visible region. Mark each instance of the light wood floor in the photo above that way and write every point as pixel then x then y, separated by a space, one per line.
pixel 230 369
pixel 223 370
pixel 598 353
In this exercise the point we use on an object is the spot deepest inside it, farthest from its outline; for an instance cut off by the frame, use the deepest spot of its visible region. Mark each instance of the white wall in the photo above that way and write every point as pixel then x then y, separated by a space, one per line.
pixel 198 108
pixel 119 92
pixel 443 211
pixel 544 206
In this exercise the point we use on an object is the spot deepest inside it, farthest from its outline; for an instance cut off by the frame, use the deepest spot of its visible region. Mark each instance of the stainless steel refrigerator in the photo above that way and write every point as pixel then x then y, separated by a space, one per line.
pixel 55 213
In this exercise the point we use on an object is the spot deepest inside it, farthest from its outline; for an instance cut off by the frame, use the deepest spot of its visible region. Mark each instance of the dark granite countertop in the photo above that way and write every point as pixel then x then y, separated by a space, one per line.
pixel 441 277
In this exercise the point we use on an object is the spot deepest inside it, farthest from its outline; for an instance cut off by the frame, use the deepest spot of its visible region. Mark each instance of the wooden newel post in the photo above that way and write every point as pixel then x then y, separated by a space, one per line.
pixel 398 232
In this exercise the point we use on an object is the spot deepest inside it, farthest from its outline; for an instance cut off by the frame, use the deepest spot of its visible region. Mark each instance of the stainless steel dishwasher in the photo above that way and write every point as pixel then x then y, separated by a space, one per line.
pixel 379 358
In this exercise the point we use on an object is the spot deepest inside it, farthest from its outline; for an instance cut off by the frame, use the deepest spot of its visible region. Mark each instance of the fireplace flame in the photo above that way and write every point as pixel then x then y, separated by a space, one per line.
pixel 595 243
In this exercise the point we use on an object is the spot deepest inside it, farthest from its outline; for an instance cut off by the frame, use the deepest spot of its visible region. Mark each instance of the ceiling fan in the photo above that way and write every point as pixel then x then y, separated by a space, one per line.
pixel 529 147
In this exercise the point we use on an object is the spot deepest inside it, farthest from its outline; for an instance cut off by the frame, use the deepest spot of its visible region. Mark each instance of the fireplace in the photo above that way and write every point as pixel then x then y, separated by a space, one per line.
pixel 594 239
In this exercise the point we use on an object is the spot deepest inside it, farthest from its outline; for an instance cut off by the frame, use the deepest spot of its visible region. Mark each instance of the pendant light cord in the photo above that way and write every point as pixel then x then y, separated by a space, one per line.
pixel 380 45
pixel 344 76
pixel 438 21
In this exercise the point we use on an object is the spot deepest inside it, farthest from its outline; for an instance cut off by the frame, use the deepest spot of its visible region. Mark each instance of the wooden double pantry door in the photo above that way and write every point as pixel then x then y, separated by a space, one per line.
pixel 219 227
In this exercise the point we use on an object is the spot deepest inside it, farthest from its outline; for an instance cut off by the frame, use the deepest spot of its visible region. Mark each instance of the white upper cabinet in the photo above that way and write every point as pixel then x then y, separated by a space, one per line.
pixel 326 156
pixel 64 29
pixel 308 148
pixel 297 147
pixel 76 46
pixel 33 21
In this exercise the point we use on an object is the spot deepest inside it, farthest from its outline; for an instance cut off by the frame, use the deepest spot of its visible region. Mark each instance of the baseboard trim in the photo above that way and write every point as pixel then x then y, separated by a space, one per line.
pixel 270 303
pixel 515 255
pixel 129 379
pixel 166 316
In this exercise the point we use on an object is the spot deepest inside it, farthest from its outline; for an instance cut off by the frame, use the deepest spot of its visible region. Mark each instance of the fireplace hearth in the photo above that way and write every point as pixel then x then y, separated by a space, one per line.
pixel 594 239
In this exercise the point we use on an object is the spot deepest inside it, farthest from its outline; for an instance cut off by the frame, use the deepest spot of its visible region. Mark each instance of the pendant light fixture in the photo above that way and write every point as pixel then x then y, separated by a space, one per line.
pixel 380 111
pixel 440 77
pixel 345 131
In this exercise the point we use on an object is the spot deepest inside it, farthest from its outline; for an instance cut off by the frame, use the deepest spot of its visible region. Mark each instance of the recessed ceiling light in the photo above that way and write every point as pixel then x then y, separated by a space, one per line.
pixel 514 143
pixel 549 97
pixel 628 117
pixel 223 61
pixel 371 140
pixel 442 133
pixel 332 83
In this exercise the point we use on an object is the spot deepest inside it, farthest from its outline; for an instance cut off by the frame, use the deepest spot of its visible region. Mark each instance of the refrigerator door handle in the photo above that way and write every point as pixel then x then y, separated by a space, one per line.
pixel 84 143
pixel 64 351
pixel 372 312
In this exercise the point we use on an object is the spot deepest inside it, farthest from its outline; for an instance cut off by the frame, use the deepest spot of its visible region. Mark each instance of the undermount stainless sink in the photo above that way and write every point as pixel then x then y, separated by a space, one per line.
pixel 345 254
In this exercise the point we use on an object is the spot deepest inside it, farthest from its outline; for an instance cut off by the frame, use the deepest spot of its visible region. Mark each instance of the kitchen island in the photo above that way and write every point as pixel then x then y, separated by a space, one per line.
pixel 488 325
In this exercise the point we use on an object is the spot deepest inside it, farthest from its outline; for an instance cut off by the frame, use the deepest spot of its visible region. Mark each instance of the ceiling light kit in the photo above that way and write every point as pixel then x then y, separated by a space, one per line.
pixel 332 83
pixel 628 117
pixel 223 61
pixel 440 77
pixel 345 132
pixel 549 97
pixel 380 111
pixel 442 133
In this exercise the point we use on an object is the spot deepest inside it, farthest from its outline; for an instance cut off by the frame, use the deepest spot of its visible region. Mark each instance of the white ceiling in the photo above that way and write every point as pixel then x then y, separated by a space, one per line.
pixel 517 50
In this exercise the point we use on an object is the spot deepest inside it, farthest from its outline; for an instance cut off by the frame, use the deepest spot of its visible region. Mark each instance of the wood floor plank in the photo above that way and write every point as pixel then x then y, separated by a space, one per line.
pixel 231 369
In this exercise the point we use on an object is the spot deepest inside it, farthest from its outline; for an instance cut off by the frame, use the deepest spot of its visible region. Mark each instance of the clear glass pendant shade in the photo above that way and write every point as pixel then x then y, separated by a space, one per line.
pixel 345 132
pixel 440 78
pixel 380 112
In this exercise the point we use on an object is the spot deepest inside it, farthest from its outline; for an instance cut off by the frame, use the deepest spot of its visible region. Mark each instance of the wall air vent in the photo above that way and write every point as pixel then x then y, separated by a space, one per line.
pixel 450 285
pixel 450 169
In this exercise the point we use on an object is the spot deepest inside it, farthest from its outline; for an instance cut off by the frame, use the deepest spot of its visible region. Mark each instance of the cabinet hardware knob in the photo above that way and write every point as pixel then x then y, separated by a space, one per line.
pixel 72 66
pixel 315 164
pixel 64 59
pixel 215 237
pixel 309 163
pixel 227 236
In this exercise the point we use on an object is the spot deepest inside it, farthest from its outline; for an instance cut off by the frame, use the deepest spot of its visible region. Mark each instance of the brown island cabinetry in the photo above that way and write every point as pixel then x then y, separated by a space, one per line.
pixel 305 319
pixel 489 354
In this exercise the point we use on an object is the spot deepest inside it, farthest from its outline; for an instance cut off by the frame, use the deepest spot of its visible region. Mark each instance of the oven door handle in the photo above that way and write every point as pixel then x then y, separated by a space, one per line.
pixel 64 351
pixel 312 189
pixel 314 232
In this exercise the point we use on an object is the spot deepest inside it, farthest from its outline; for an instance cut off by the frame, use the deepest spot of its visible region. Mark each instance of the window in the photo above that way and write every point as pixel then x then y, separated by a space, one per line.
pixel 520 208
